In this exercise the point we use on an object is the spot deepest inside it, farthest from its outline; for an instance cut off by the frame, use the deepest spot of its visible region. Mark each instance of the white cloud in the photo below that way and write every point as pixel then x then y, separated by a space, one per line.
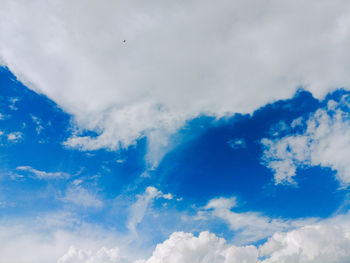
pixel 39 124
pixel 280 127
pixel 324 243
pixel 42 175
pixel 103 255
pixel 206 248
pixel 180 59
pixel 168 196
pixel 237 143
pixel 121 161
pixel 139 208
pixel 221 203
pixel 78 195
pixel 15 137
pixel 325 142
pixel 31 242
pixel 327 241
pixel 12 104
pixel 247 226
pixel 297 122
pixel 143 202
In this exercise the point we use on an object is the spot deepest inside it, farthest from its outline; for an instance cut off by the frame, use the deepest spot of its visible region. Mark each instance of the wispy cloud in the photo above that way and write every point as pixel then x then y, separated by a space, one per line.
pixel 139 208
pixel 143 202
pixel 39 124
pixel 78 195
pixel 42 175
pixel 12 103
pixel 247 226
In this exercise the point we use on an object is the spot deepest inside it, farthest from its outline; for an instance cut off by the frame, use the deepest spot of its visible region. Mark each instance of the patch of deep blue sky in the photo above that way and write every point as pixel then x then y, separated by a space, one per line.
pixel 214 158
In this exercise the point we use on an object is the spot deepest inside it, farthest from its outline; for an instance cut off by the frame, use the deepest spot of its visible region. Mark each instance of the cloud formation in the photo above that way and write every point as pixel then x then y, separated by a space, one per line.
pixel 326 242
pixel 248 226
pixel 206 248
pixel 42 175
pixel 179 59
pixel 15 137
pixel 309 244
pixel 325 141
pixel 142 203
pixel 80 196
pixel 103 255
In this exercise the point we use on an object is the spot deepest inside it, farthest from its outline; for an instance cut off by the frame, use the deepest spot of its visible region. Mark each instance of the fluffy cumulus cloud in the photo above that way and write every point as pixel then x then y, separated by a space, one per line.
pixel 206 248
pixel 325 141
pixel 180 247
pixel 311 244
pixel 327 242
pixel 132 68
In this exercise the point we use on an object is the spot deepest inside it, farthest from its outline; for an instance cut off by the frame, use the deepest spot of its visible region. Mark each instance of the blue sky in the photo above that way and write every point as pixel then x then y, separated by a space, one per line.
pixel 166 132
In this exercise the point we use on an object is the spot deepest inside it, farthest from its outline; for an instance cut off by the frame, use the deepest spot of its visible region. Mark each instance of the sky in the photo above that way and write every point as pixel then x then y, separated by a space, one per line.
pixel 179 131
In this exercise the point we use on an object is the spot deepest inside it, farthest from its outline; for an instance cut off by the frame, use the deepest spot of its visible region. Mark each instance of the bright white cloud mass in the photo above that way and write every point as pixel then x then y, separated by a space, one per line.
pixel 326 242
pixel 179 58
pixel 130 69
pixel 314 243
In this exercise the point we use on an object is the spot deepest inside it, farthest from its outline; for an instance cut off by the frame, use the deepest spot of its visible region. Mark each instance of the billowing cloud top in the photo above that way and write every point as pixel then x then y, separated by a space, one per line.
pixel 132 68
pixel 304 245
